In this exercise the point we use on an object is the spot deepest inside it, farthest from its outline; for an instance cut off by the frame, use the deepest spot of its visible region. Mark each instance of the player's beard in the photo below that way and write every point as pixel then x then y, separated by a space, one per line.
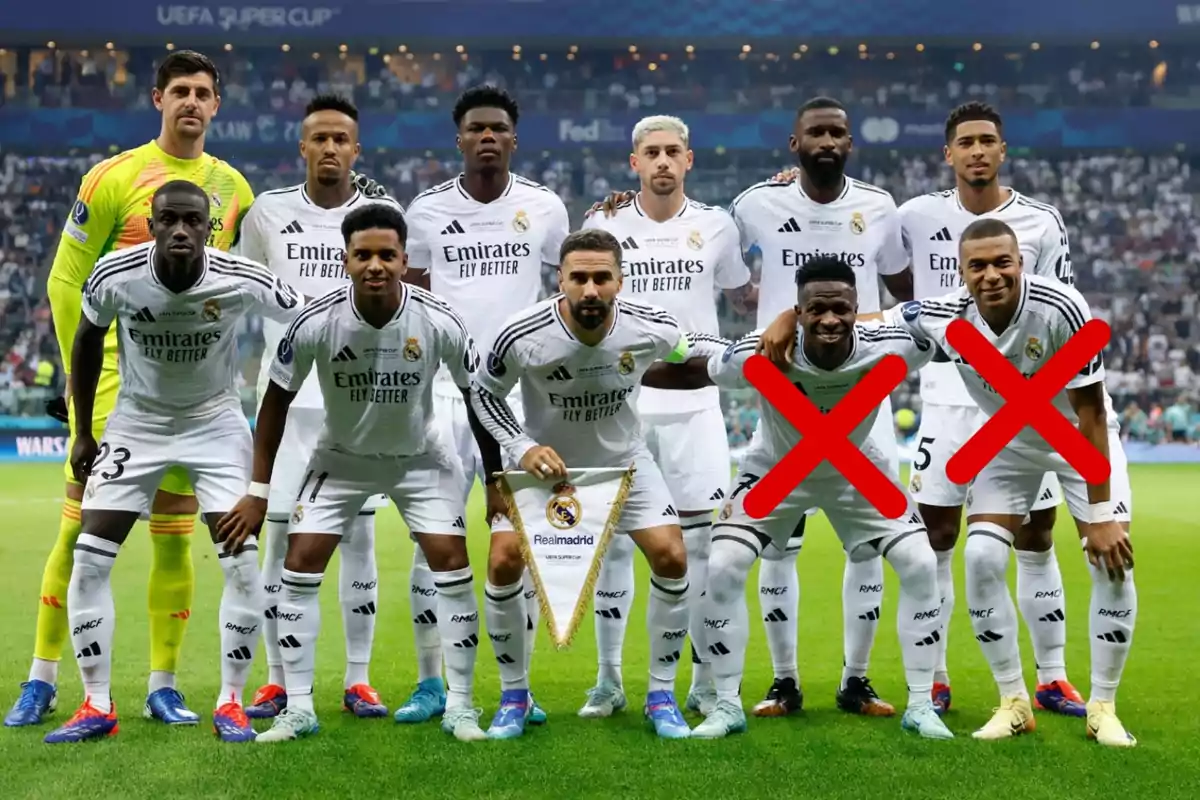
pixel 590 321
pixel 663 188
pixel 823 173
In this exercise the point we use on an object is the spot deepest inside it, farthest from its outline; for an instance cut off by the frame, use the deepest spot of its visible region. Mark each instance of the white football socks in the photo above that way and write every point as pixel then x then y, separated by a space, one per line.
pixel 274 547
pixel 504 607
pixel 779 598
pixel 1040 598
pixel 945 579
pixel 358 593
pixel 458 623
pixel 90 613
pixel 862 600
pixel 243 602
pixel 612 599
pixel 697 539
pixel 299 622
pixel 918 613
pixel 993 615
pixel 1111 621
pixel 667 623
pixel 426 637
pixel 726 620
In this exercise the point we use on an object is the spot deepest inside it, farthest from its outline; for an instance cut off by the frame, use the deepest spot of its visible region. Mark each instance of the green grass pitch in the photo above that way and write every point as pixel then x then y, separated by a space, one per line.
pixel 821 753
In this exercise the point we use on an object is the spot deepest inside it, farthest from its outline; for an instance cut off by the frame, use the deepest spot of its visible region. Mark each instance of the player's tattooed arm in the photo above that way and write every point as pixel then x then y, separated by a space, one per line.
pixel 1106 541
pixel 684 376
pixel 610 204
pixel 245 519
pixel 900 285
pixel 744 298
pixel 87 360
pixel 778 341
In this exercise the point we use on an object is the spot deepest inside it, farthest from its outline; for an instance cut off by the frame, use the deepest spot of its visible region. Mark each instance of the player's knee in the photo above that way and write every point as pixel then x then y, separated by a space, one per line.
pixel 445 553
pixel 943 527
pixel 169 503
pixel 914 562
pixel 309 552
pixel 728 566
pixel 505 563
pixel 669 558
pixel 1037 535
pixel 986 552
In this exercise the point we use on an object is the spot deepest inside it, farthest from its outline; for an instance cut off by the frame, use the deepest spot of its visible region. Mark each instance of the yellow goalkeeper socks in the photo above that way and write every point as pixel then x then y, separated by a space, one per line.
pixel 172 582
pixel 52 626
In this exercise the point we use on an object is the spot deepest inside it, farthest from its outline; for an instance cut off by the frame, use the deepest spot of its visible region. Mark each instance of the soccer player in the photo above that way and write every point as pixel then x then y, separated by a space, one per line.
pixel 824 212
pixel 296 232
pixel 1029 318
pixel 581 355
pixel 110 214
pixel 375 346
pixel 178 304
pixel 931 225
pixel 678 254
pixel 831 355
pixel 480 242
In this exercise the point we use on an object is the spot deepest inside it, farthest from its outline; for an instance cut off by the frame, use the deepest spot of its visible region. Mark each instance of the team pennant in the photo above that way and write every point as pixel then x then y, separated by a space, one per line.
pixel 564 528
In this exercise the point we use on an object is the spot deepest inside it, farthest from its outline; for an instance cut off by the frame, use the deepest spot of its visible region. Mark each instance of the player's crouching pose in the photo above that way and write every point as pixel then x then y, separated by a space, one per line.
pixel 178 304
pixel 1030 318
pixel 584 350
pixel 832 354
pixel 376 346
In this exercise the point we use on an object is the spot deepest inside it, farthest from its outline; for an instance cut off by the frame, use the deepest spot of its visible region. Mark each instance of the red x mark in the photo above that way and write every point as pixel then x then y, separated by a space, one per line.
pixel 1027 402
pixel 825 436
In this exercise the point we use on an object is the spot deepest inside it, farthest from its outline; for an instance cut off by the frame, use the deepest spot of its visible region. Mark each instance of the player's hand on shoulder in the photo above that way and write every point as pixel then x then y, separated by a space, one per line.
pixel 369 187
pixel 83 455
pixel 543 463
pixel 787 176
pixel 243 521
pixel 610 204
pixel 1108 548
pixel 778 341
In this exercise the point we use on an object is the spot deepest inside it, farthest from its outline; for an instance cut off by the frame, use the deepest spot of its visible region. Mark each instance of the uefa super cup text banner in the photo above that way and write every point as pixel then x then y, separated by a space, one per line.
pixel 564 527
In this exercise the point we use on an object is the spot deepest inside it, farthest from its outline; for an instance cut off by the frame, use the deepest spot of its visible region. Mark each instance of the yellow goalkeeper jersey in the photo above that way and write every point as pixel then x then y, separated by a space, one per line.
pixel 112 212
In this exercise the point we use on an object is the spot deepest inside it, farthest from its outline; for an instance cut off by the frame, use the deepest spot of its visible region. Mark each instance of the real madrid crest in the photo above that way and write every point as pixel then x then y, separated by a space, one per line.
pixel 695 240
pixel 1033 348
pixel 211 311
pixel 858 225
pixel 563 510
pixel 298 515
pixel 727 511
pixel 412 350
pixel 521 222
pixel 914 485
pixel 626 363
pixel 216 199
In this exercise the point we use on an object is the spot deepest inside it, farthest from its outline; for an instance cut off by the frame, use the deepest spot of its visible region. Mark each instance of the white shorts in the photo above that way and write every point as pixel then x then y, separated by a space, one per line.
pixel 648 505
pixel 863 531
pixel 139 447
pixel 1013 480
pixel 882 440
pixel 454 429
pixel 943 432
pixel 692 450
pixel 300 436
pixel 426 490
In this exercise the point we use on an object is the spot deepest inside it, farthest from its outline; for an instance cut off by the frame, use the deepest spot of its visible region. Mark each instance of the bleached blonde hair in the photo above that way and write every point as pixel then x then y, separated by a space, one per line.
pixel 658 123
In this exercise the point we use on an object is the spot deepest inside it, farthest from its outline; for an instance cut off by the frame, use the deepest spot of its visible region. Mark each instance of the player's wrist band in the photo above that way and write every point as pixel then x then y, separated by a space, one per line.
pixel 1101 512
pixel 260 490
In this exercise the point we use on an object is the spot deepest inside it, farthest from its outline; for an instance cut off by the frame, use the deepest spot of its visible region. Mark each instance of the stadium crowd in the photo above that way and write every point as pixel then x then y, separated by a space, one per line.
pixel 573 80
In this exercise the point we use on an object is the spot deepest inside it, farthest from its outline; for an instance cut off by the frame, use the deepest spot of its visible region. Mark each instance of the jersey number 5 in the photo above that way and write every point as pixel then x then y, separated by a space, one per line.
pixel 924 455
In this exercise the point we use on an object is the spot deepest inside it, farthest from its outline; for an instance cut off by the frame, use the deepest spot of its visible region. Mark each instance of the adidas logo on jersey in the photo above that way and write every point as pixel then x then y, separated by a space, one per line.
pixel 452 228
pixel 345 354
pixel 942 236
pixel 143 316
pixel 719 494
pixel 459 523
pixel 629 244
pixel 1120 508
pixel 560 374
pixel 670 512
pixel 293 227
pixel 791 226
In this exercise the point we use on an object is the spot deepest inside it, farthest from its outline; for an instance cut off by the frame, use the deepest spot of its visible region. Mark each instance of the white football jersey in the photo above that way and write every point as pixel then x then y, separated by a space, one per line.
pixel 485 259
pixel 574 395
pixel 1048 314
pixel 861 226
pixel 825 388
pixel 377 383
pixel 931 226
pixel 178 353
pixel 302 243
pixel 678 265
